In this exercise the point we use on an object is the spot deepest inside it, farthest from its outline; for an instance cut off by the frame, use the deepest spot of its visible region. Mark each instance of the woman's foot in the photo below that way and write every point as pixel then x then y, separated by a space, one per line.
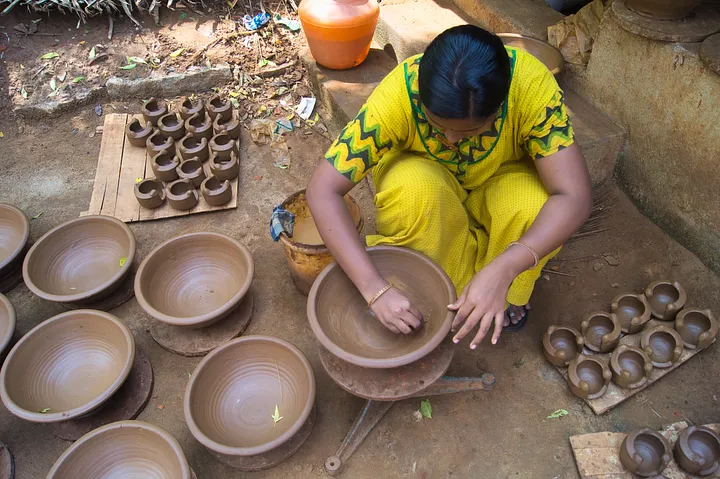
pixel 515 314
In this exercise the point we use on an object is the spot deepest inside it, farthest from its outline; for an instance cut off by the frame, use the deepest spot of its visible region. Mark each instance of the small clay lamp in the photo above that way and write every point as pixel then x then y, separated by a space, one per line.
pixel 666 299
pixel 159 142
pixel 152 110
pixel 172 125
pixel 663 345
pixel 632 310
pixel 219 107
pixel 561 344
pixel 697 450
pixel 181 194
pixel 192 147
pixel 7 322
pixel 164 166
pixel 224 168
pixel 588 376
pixel 698 327
pixel 216 192
pixel 601 332
pixel 630 366
pixel 192 170
pixel 191 106
pixel 199 125
pixel 150 193
pixel 223 146
pixel 231 126
pixel 645 453
pixel 137 134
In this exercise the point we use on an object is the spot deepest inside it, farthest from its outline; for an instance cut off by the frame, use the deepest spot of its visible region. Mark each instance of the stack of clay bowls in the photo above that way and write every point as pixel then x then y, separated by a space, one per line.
pixel 194 149
pixel 652 344
pixel 14 237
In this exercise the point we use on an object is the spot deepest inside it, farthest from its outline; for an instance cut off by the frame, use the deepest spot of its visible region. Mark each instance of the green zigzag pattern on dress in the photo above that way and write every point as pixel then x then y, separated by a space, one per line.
pixel 545 143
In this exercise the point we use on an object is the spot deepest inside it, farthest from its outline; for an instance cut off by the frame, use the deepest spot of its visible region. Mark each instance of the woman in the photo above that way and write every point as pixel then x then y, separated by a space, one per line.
pixel 475 165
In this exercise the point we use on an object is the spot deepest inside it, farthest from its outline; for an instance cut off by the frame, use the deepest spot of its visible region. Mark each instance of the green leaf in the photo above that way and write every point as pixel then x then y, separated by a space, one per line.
pixel 44 410
pixel 426 408
pixel 78 79
pixel 53 84
pixel 177 53
pixel 276 415
pixel 128 67
pixel 123 261
pixel 235 102
pixel 263 62
pixel 558 414
pixel 37 215
pixel 136 60
pixel 92 54
pixel 49 56
pixel 23 92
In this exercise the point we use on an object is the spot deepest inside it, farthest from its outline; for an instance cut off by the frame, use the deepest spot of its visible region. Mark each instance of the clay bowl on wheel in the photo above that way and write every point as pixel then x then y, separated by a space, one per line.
pixel 543 51
pixel 344 325
pixel 123 449
pixel 231 397
pixel 194 280
pixel 67 366
pixel 7 322
pixel 81 261
pixel 14 235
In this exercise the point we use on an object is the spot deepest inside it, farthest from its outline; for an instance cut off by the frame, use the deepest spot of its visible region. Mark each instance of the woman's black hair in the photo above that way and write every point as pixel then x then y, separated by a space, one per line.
pixel 464 73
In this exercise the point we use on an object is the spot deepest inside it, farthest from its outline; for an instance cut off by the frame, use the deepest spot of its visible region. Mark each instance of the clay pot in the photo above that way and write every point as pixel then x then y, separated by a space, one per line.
pixel 123 449
pixel 231 126
pixel 601 332
pixel 543 51
pixel 7 322
pixel 645 453
pixel 192 147
pixel 630 367
pixel 663 9
pixel 150 193
pixel 172 125
pixel 199 125
pixel 663 345
pixel 195 279
pixel 216 192
pixel 14 235
pixel 562 344
pixel 153 109
pixel 181 194
pixel 697 450
pixel 81 261
pixel 231 397
pixel 224 168
pixel 164 166
pixel 217 106
pixel 159 142
pixel 697 327
pixel 137 134
pixel 632 311
pixel 666 299
pixel 192 170
pixel 191 106
pixel 67 366
pixel 345 326
pixel 588 376
pixel 223 146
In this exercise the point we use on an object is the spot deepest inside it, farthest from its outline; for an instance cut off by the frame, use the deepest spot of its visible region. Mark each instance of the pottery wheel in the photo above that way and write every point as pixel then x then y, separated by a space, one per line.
pixel 710 52
pixel 700 24
pixel 273 457
pixel 389 384
pixel 127 403
pixel 7 465
pixel 122 295
pixel 199 342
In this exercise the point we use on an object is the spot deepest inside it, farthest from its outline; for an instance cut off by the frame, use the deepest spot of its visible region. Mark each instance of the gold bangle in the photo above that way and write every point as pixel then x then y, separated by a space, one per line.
pixel 378 294
pixel 536 257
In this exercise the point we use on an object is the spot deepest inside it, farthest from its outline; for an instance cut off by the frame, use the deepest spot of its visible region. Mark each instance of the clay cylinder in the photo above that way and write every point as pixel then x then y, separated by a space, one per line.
pixel 158 142
pixel 630 367
pixel 181 195
pixel 216 192
pixel 697 450
pixel 601 332
pixel 191 106
pixel 632 310
pixel 153 109
pixel 224 168
pixel 199 125
pixel 231 126
pixel 217 106
pixel 697 327
pixel 192 147
pixel 137 134
pixel 666 299
pixel 663 9
pixel 172 125
pixel 223 146
pixel 588 376
pixel 645 453
pixel 562 344
pixel 163 165
pixel 150 193
pixel 663 345
pixel 192 170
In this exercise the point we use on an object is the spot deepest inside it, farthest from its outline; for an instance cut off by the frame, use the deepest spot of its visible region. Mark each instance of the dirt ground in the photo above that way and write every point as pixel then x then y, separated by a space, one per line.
pixel 48 167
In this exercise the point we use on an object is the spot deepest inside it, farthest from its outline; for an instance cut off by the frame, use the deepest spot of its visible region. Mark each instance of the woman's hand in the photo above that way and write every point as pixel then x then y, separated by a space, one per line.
pixel 395 311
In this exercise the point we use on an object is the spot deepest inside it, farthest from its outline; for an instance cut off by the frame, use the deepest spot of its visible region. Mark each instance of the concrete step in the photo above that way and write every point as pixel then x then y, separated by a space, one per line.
pixel 529 17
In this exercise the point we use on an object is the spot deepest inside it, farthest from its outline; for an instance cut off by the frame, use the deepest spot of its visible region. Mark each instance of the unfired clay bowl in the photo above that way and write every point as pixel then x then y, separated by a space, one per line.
pixel 666 299
pixel 697 327
pixel 195 279
pixel 345 326
pixel 663 345
pixel 645 453
pixel 632 310
pixel 562 344
pixel 7 322
pixel 80 261
pixel 231 397
pixel 67 366
pixel 14 235
pixel 124 449
pixel 630 366
pixel 697 450
pixel 588 376
pixel 543 51
pixel 601 332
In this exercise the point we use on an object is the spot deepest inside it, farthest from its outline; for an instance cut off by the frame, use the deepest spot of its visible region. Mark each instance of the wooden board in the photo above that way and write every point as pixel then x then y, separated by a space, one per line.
pixel 120 164
pixel 598 455
pixel 615 394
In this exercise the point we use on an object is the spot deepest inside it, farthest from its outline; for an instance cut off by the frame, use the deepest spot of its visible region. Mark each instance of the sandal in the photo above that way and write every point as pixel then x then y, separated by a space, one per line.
pixel 513 328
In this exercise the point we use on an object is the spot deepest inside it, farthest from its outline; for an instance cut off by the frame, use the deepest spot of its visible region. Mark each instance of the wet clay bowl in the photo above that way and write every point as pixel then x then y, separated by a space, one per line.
pixel 14 235
pixel 195 279
pixel 601 332
pixel 630 367
pixel 80 261
pixel 543 51
pixel 7 322
pixel 344 325
pixel 663 345
pixel 632 310
pixel 697 327
pixel 562 344
pixel 231 397
pixel 124 449
pixel 588 376
pixel 697 450
pixel 645 453
pixel 666 299
pixel 67 366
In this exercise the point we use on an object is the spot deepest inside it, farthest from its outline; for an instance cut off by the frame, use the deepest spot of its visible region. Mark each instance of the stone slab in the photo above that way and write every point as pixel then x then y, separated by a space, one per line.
pixel 529 17
pixel 710 52
pixel 696 27
pixel 169 85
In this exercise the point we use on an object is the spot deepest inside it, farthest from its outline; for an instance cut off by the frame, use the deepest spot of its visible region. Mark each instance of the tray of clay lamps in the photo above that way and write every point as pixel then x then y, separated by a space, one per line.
pixel 615 355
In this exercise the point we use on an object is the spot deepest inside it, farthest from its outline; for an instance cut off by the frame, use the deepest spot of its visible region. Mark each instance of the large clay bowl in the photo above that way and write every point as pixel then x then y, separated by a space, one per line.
pixel 7 322
pixel 14 235
pixel 67 366
pixel 231 397
pixel 124 449
pixel 344 325
pixel 195 279
pixel 80 261
pixel 543 51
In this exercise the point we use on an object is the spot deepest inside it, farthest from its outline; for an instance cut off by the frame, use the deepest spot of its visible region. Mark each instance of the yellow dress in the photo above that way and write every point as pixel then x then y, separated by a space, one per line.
pixel 461 204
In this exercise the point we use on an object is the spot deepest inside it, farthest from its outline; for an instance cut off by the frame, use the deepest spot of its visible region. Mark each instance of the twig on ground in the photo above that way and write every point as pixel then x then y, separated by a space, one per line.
pixel 588 233
pixel 559 273
pixel 39 70
pixel 111 26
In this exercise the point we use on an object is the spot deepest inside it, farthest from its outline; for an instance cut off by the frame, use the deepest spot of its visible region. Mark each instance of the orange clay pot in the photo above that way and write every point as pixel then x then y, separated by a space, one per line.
pixel 339 32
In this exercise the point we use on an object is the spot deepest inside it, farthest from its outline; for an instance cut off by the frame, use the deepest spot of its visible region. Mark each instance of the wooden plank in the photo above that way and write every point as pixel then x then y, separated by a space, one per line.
pixel 111 147
pixel 113 160
pixel 132 168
